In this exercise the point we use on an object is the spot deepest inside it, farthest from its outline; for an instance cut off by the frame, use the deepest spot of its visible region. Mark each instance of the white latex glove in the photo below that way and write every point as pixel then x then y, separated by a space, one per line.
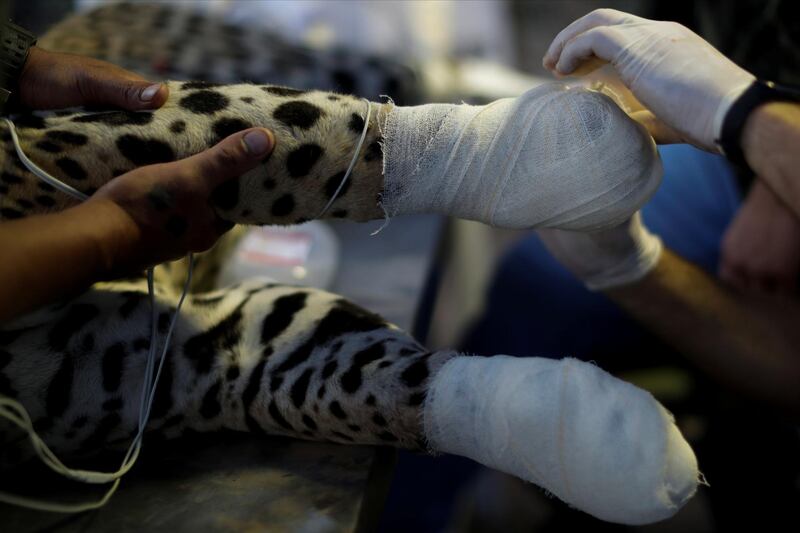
pixel 607 258
pixel 683 80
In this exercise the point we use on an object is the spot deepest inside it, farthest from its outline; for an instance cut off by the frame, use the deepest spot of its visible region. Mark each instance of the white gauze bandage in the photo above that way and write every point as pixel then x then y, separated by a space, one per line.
pixel 598 443
pixel 555 157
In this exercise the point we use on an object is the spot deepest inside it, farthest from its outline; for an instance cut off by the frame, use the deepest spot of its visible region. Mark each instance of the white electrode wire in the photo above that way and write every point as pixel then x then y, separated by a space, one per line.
pixel 15 412
pixel 41 174
pixel 352 161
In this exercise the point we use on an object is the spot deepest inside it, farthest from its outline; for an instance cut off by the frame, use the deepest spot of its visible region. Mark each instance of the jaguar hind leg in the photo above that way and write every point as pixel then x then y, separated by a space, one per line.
pixel 254 357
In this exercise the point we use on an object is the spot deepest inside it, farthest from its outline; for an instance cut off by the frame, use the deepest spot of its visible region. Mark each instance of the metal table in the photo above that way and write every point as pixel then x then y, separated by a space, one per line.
pixel 239 482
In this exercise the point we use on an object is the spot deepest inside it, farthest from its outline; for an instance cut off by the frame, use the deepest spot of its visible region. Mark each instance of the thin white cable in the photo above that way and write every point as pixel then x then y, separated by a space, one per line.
pixel 352 161
pixel 41 174
pixel 15 412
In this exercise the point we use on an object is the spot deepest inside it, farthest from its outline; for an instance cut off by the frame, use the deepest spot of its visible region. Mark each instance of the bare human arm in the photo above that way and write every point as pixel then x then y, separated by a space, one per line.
pixel 53 256
pixel 139 219
pixel 149 215
pixel 749 342
pixel 771 143
pixel 751 261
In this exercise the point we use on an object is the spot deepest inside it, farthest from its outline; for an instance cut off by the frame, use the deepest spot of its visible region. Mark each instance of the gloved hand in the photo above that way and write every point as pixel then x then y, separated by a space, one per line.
pixel 683 80
pixel 607 258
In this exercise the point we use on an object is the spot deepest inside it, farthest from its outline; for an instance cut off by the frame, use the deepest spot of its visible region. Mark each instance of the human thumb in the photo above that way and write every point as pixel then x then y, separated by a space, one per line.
pixel 219 167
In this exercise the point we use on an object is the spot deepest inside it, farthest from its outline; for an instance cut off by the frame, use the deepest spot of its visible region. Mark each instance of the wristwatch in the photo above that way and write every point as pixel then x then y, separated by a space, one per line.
pixel 760 92
pixel 15 43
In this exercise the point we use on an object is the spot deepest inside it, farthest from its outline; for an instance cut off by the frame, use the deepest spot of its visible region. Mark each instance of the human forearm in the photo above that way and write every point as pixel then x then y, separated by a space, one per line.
pixel 153 214
pixel 771 143
pixel 749 342
pixel 52 256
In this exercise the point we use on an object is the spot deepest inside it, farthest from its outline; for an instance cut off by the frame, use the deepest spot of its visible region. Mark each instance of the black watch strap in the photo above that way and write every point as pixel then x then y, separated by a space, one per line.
pixel 15 43
pixel 760 92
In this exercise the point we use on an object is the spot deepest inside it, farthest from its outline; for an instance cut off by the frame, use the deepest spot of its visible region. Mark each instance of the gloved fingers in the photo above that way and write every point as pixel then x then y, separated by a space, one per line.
pixel 583 50
pixel 595 19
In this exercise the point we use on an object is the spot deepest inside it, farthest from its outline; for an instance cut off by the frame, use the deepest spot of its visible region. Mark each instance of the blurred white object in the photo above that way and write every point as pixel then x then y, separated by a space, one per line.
pixel 298 255
pixel 414 30
pixel 419 30
pixel 477 79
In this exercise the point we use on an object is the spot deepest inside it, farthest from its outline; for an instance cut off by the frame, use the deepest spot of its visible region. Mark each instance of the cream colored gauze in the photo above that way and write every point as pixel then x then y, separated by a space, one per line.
pixel 554 157
pixel 596 442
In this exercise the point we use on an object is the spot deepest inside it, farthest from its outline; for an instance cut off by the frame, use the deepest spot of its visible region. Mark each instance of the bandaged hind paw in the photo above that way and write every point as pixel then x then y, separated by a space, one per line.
pixel 598 443
pixel 554 157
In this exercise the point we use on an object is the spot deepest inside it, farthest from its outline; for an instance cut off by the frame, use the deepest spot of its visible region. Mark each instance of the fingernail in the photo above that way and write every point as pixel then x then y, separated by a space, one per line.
pixel 148 93
pixel 258 142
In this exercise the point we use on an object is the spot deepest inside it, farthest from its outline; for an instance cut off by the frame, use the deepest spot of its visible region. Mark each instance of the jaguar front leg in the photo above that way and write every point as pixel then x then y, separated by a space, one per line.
pixel 553 157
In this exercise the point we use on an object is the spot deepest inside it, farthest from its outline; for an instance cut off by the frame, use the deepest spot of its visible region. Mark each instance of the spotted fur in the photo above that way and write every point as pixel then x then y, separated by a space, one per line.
pixel 257 356
pixel 166 42
pixel 316 139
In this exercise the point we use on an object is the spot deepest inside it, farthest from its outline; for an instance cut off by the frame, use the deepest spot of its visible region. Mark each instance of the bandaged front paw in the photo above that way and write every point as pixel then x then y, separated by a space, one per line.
pixel 598 443
pixel 555 157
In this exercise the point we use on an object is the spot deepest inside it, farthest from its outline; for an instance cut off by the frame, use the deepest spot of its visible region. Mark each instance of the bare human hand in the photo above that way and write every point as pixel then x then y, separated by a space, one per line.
pixel 761 248
pixel 162 212
pixel 51 80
